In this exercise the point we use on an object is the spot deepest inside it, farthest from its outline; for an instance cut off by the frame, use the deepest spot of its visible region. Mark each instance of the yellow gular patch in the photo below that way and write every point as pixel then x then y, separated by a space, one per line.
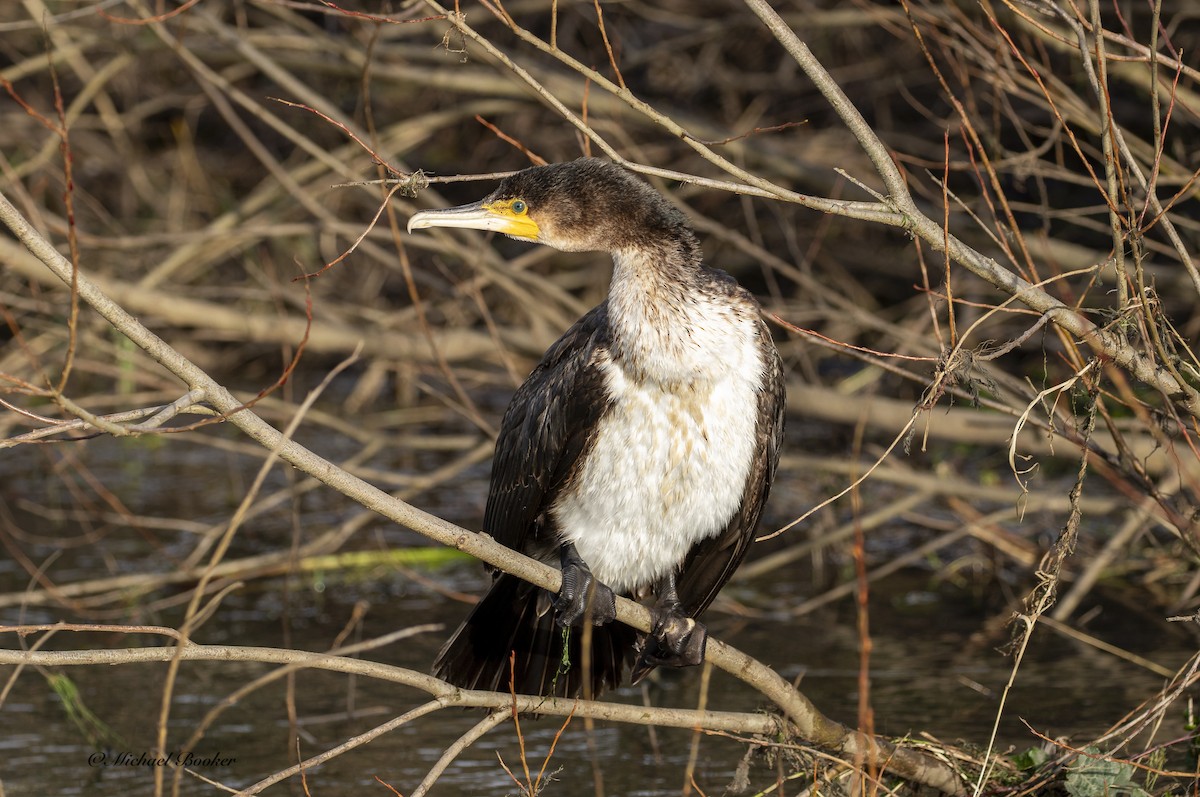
pixel 513 215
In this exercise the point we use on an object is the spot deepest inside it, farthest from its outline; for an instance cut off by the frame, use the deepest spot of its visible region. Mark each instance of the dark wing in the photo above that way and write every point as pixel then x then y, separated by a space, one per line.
pixel 711 562
pixel 548 426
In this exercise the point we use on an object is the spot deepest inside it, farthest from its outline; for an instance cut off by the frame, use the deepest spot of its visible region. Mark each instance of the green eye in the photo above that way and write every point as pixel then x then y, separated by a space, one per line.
pixel 519 207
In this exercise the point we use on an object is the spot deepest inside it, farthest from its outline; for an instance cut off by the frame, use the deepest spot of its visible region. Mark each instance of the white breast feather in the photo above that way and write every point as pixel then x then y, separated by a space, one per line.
pixel 669 464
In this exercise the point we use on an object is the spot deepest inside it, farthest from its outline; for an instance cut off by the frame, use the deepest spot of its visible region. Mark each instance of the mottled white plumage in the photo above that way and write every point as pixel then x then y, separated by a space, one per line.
pixel 637 455
pixel 670 459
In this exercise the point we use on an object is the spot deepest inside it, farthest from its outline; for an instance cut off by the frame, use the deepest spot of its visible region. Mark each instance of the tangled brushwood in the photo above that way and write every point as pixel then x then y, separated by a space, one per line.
pixel 973 230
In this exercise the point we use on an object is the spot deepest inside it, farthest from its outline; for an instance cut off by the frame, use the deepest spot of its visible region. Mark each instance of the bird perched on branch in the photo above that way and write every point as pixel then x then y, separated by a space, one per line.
pixel 638 454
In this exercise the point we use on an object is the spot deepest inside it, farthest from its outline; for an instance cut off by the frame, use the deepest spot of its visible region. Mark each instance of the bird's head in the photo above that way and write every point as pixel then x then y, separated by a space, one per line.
pixel 583 205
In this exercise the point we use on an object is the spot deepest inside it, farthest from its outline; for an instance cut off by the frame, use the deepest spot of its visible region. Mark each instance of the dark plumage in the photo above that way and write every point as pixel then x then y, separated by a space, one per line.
pixel 640 450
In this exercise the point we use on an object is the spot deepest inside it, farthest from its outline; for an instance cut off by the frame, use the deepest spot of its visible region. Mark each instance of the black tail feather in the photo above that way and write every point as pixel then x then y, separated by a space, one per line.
pixel 506 621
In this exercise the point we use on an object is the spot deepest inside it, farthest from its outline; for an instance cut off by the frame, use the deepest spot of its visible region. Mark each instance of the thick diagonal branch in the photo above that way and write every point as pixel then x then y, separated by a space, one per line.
pixel 809 723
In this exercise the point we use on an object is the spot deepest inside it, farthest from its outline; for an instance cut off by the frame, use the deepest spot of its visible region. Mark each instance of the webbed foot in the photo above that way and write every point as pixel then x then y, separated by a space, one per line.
pixel 676 640
pixel 582 595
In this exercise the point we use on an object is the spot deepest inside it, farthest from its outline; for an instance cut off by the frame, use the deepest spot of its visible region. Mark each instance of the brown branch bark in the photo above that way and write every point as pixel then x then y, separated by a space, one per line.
pixel 899 208
pixel 1102 342
pixel 809 723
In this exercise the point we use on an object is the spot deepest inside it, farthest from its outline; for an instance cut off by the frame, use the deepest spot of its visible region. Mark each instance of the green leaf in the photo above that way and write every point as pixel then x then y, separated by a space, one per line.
pixel 1092 776
pixel 1032 758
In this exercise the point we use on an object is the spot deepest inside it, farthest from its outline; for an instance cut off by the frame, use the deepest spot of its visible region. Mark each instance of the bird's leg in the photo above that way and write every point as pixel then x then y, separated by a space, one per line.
pixel 676 640
pixel 582 595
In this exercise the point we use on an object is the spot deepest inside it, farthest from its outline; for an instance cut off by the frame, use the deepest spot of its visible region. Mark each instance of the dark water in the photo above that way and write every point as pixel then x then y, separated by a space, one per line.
pixel 931 670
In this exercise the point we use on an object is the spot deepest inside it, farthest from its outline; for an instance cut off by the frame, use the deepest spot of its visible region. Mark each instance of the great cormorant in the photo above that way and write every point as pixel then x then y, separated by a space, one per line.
pixel 637 455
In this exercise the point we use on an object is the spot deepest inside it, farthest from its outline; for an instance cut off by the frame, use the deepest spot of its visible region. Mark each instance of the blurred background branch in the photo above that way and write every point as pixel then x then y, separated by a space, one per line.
pixel 885 177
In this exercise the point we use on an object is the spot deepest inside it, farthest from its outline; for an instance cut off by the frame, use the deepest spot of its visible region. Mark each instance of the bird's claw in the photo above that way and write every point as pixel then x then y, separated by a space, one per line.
pixel 676 640
pixel 583 597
